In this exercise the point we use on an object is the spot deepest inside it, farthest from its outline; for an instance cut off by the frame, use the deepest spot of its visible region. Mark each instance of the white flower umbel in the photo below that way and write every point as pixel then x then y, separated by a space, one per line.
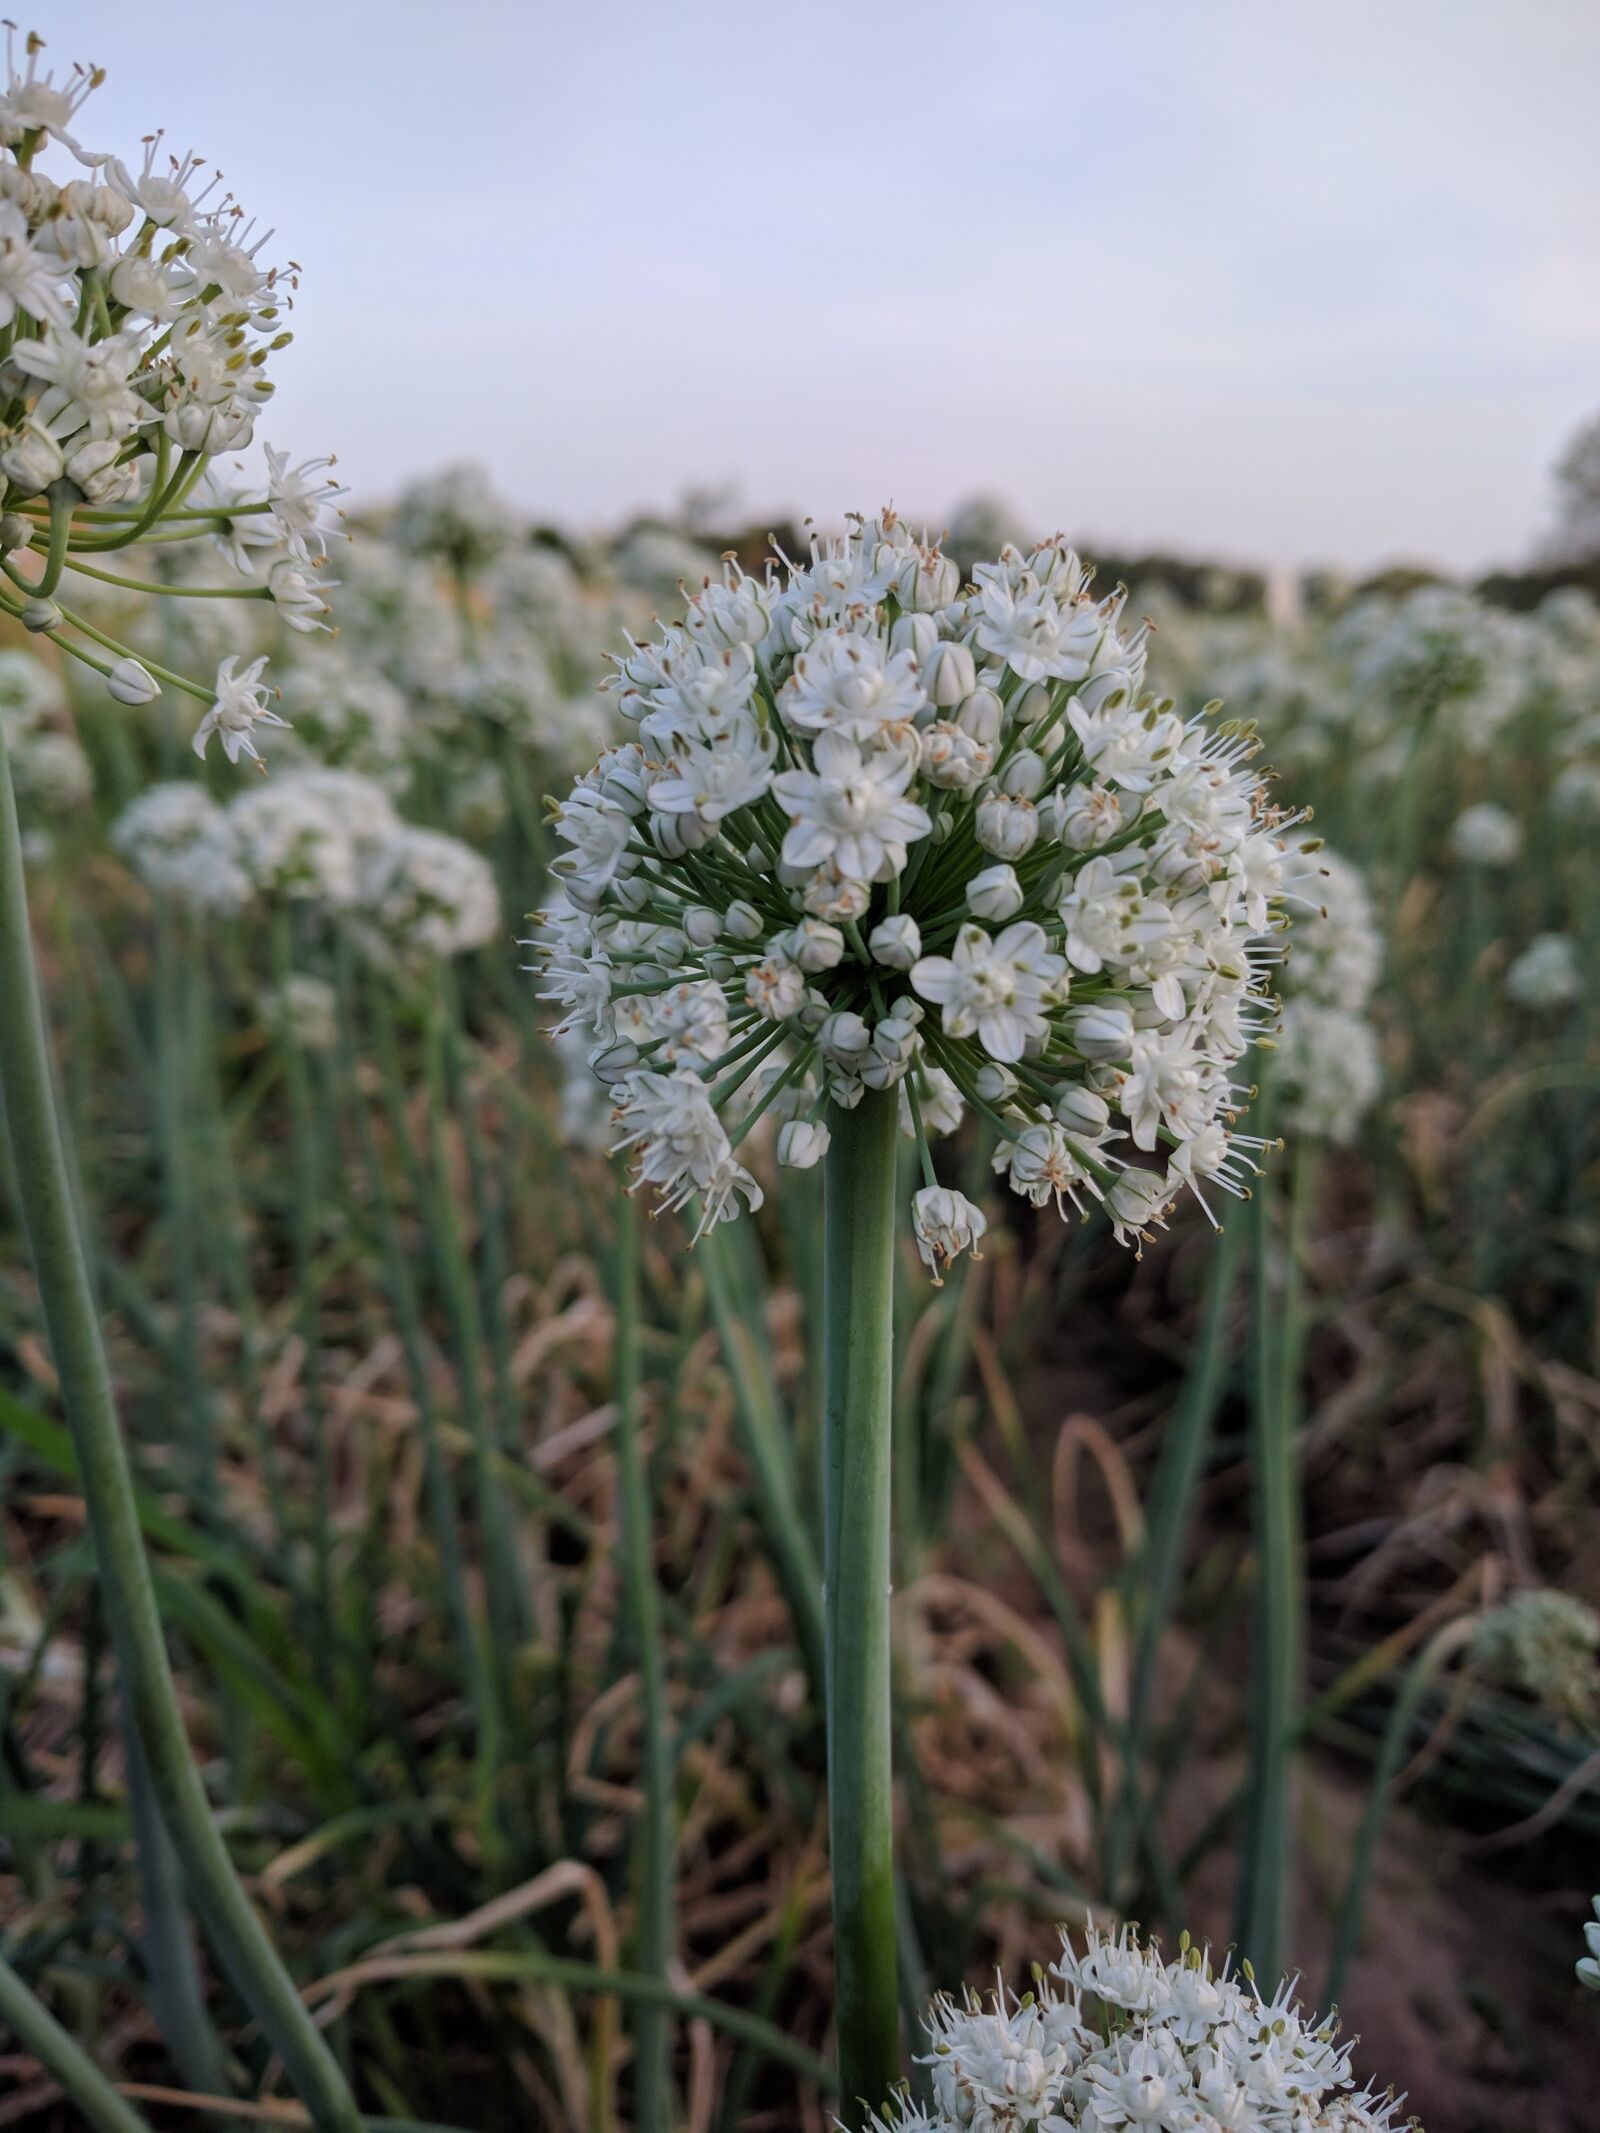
pixel 1114 2039
pixel 431 896
pixel 1486 836
pixel 1547 974
pixel 930 837
pixel 1327 1071
pixel 139 323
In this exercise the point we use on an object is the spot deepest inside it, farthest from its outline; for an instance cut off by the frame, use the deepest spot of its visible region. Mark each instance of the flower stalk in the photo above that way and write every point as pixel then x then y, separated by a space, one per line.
pixel 45 1198
pixel 858 1283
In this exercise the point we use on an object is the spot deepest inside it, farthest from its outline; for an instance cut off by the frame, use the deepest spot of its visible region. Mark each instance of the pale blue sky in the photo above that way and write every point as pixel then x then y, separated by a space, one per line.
pixel 1287 280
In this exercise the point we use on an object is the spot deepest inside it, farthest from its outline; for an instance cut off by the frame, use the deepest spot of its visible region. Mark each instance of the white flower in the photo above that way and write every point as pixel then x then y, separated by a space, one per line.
pixel 28 282
pixel 598 831
pixel 845 683
pixel 713 776
pixel 946 1224
pixel 851 811
pixel 992 987
pixel 1137 1201
pixel 300 598
pixel 298 498
pixel 1042 1164
pixel 683 1147
pixel 239 706
pixel 1024 624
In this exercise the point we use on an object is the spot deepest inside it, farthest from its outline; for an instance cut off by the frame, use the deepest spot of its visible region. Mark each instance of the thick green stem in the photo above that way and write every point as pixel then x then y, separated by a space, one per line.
pixel 858 1290
pixel 652 2093
pixel 45 1197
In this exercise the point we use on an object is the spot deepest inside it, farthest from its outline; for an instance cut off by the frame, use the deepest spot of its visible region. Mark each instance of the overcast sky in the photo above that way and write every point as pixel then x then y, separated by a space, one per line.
pixel 1285 280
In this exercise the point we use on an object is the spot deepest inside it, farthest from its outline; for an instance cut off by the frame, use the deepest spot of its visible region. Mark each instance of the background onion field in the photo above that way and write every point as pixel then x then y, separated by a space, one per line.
pixel 356 1248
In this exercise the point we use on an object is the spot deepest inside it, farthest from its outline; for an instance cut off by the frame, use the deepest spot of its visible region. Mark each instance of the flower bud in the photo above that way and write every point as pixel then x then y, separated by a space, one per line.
pixel 832 897
pixel 983 716
pixel 622 777
pixel 815 945
pixel 702 925
pixel 802 1144
pixel 951 759
pixel 1081 1111
pixel 895 1034
pixel 130 684
pixel 94 470
pixel 917 634
pixel 1022 775
pixel 743 922
pixel 995 894
pixel 775 988
pixel 31 460
pixel 15 531
pixel 927 581
pixel 1088 816
pixel 614 1062
pixel 673 835
pixel 895 942
pixel 844 1037
pixel 1005 826
pixel 40 615
pixel 1101 1031
pixel 881 1070
pixel 995 1083
pixel 949 675
pixel 814 1011
pixel 1032 704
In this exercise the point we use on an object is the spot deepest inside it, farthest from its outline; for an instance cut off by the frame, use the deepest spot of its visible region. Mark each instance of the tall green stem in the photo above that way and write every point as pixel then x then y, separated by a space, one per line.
pixel 653 2099
pixel 45 1197
pixel 858 1299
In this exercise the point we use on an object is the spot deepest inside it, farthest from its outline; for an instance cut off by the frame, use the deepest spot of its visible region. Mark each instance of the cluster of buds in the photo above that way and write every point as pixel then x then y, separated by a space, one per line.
pixel 879 830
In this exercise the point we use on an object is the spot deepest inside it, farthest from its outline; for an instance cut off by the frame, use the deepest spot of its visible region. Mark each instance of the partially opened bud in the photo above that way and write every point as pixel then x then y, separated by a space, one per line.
pixel 128 683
